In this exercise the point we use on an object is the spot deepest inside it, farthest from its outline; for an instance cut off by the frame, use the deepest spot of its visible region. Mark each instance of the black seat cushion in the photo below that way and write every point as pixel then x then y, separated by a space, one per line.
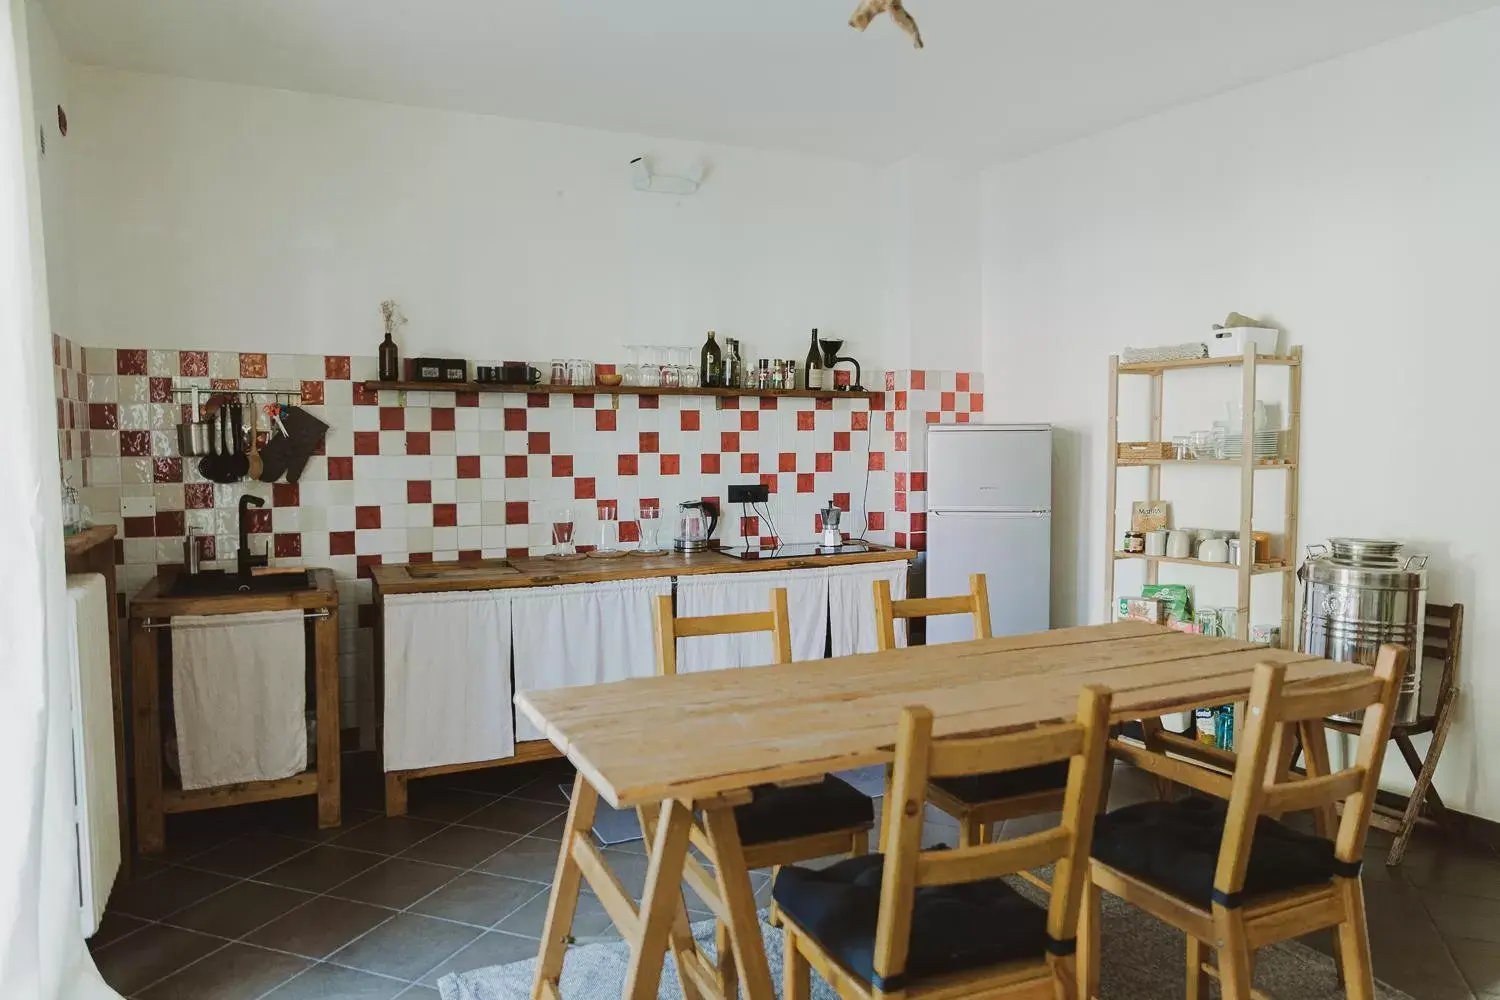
pixel 974 789
pixel 1175 846
pixel 778 813
pixel 954 928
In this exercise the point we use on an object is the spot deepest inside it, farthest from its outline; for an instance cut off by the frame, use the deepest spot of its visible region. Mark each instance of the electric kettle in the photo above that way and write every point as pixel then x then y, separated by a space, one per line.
pixel 696 521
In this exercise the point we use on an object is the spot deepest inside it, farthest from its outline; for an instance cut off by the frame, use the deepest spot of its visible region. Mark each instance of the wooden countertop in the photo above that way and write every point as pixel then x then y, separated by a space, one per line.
pixel 540 571
pixel 151 600
pixel 75 546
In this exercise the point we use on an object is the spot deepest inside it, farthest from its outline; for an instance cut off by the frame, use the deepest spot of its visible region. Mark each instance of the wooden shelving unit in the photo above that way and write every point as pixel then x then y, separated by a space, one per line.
pixel 622 390
pixel 1248 465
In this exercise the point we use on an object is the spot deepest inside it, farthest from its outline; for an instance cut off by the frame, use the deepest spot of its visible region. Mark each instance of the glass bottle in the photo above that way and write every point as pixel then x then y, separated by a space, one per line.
pixel 711 368
pixel 813 367
pixel 390 363
pixel 763 374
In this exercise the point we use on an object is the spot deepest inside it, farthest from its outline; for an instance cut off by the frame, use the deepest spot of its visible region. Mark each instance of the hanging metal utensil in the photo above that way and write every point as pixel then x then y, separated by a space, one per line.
pixel 237 463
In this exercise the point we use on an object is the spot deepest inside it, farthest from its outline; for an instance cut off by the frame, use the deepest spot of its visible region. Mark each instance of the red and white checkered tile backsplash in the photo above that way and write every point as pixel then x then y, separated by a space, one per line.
pixel 445 476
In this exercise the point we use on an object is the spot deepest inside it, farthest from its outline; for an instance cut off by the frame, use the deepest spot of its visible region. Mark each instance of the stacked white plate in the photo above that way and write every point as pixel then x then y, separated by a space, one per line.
pixel 1267 444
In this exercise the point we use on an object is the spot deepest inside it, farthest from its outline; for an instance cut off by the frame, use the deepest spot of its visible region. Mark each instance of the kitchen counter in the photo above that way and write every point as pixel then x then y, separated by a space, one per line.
pixel 154 600
pixel 455 640
pixel 540 571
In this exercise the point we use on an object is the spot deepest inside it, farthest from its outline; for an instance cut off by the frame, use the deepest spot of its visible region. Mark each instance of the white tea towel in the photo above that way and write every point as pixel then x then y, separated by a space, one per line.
pixel 851 604
pixel 736 593
pixel 585 633
pixel 447 679
pixel 239 687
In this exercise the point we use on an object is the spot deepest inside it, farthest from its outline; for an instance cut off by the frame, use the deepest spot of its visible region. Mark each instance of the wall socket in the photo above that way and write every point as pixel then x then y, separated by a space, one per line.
pixel 749 494
pixel 138 506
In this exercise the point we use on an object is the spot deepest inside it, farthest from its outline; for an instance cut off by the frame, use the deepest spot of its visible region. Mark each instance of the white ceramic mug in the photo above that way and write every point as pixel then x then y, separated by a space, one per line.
pixel 1179 545
pixel 1214 550
pixel 1156 542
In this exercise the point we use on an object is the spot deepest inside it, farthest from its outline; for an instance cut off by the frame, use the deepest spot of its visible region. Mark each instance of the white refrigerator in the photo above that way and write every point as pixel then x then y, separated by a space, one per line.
pixel 989 510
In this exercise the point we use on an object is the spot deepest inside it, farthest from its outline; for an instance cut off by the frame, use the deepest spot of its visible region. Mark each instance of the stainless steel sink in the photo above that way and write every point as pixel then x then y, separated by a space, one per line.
pixel 218 583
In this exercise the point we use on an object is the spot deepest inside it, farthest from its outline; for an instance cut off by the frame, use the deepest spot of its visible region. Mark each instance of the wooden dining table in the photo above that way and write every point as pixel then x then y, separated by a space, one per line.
pixel 685 750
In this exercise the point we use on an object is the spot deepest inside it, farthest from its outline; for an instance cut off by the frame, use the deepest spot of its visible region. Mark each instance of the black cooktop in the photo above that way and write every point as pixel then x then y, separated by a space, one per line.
pixel 793 550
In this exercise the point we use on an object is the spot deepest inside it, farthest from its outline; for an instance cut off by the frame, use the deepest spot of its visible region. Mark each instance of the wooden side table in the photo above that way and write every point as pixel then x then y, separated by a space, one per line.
pixel 155 793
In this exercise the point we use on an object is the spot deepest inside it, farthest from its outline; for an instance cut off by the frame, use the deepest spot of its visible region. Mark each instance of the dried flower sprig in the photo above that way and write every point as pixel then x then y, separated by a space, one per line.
pixel 390 311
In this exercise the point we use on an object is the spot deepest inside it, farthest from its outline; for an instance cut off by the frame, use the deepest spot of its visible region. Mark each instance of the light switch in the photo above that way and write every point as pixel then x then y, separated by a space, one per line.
pixel 138 506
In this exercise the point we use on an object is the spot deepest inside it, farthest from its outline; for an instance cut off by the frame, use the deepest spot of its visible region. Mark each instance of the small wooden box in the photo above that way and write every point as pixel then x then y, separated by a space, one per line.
pixel 1135 452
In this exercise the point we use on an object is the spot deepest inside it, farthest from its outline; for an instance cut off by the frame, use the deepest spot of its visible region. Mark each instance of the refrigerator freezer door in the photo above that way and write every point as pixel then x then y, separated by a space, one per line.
pixel 1013 551
pixel 989 467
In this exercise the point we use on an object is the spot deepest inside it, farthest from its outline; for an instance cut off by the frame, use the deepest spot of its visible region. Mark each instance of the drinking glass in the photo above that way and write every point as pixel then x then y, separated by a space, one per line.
pixel 562 533
pixel 559 371
pixel 650 521
pixel 650 367
pixel 631 373
pixel 609 528
pixel 1203 444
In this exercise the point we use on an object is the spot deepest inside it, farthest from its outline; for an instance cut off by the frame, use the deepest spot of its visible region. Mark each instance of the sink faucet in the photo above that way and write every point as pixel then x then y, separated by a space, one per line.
pixel 246 560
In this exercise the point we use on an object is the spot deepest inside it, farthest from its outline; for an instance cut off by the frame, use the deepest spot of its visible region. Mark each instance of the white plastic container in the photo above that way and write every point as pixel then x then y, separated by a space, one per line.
pixel 1230 342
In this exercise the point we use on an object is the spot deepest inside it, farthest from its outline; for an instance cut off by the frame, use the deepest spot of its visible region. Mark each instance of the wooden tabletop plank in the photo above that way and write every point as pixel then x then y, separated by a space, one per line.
pixel 696 735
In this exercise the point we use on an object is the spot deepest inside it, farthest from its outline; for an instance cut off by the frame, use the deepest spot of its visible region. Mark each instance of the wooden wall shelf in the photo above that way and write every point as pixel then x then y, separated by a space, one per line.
pixel 621 390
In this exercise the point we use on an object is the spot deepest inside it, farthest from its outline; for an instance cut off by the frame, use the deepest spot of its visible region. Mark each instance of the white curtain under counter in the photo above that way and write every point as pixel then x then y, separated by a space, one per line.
pixel 736 593
pixel 585 633
pixel 447 678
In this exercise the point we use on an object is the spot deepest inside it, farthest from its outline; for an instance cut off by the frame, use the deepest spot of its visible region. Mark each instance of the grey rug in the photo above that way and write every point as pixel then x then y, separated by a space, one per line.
pixel 1144 959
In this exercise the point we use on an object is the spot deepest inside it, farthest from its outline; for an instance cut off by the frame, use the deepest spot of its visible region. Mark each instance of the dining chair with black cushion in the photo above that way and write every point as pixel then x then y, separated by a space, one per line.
pixel 781 824
pixel 1225 872
pixel 945 923
pixel 977 801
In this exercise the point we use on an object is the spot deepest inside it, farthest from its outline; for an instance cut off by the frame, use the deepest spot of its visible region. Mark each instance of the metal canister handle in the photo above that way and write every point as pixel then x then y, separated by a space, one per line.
pixel 1416 562
pixel 1316 550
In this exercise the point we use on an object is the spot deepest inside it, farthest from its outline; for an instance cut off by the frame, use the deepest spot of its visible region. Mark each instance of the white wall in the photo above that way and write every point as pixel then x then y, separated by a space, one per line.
pixel 1357 204
pixel 930 212
pixel 240 218
pixel 49 90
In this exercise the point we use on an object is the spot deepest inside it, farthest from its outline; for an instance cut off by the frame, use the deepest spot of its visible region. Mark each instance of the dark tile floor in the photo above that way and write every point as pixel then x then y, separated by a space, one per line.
pixel 257 902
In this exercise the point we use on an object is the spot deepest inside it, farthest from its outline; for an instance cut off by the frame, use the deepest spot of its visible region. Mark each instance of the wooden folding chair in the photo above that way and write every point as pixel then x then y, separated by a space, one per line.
pixel 943 923
pixel 1443 632
pixel 1233 878
pixel 781 824
pixel 977 801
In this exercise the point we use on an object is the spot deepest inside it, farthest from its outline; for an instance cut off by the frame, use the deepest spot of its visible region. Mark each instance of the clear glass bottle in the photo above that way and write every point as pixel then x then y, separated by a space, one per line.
pixel 763 374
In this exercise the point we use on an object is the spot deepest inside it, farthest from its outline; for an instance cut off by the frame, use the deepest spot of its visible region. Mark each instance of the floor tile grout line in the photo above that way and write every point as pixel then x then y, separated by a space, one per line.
pixel 474 869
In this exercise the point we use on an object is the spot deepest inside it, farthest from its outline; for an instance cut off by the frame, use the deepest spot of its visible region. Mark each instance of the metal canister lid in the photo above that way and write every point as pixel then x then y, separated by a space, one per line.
pixel 1366 551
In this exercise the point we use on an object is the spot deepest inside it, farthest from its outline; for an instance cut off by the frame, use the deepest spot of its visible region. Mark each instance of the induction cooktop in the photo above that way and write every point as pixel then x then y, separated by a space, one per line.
pixel 792 550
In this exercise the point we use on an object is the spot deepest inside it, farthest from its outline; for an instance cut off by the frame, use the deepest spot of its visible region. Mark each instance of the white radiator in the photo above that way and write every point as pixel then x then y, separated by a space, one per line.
pixel 93 747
